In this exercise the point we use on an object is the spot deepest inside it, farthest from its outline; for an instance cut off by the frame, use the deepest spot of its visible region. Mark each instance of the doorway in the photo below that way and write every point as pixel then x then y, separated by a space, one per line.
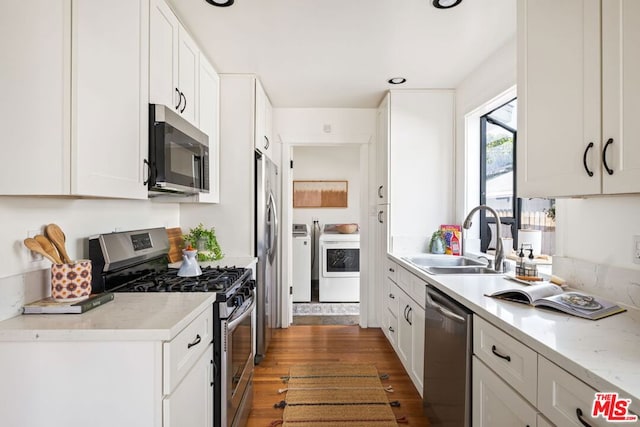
pixel 323 163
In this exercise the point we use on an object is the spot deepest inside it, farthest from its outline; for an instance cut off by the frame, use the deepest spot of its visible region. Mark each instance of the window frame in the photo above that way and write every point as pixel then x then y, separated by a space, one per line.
pixel 485 221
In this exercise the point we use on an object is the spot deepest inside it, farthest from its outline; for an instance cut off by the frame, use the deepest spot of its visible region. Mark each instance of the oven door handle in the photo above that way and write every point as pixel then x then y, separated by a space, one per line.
pixel 235 321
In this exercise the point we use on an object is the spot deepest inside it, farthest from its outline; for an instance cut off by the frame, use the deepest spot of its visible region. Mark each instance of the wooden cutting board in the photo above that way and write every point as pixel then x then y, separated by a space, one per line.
pixel 176 244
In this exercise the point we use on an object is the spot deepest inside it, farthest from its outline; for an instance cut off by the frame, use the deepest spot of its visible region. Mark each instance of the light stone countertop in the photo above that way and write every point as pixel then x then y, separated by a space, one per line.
pixel 603 353
pixel 129 317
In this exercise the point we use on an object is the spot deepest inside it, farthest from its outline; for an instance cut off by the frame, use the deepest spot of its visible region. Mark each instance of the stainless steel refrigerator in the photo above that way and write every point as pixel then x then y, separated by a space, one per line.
pixel 267 231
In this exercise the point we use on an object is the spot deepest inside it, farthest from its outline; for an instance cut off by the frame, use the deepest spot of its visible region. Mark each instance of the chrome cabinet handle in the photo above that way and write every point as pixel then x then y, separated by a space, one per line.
pixel 584 159
pixel 581 418
pixel 494 350
pixel 604 156
pixel 380 192
pixel 195 342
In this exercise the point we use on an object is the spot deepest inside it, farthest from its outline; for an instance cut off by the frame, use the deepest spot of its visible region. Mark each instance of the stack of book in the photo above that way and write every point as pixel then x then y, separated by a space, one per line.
pixel 51 306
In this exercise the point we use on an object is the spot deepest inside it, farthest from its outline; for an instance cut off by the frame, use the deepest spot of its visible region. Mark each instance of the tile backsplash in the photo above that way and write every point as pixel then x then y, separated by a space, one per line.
pixel 615 283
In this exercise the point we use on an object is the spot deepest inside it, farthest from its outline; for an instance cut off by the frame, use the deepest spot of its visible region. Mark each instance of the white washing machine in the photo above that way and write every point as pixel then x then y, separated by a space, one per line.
pixel 339 274
pixel 301 264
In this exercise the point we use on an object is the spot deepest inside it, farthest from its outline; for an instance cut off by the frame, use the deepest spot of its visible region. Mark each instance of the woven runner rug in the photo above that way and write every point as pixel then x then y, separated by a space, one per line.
pixel 343 394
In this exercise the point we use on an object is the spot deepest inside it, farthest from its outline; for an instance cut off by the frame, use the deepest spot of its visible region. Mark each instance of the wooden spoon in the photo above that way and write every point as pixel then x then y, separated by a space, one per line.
pixel 34 246
pixel 48 247
pixel 57 237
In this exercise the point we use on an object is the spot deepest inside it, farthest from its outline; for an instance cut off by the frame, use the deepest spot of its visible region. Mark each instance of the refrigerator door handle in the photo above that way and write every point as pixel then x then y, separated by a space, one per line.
pixel 273 233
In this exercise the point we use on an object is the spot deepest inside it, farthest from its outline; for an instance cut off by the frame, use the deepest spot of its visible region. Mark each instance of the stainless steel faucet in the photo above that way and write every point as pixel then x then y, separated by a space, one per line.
pixel 499 257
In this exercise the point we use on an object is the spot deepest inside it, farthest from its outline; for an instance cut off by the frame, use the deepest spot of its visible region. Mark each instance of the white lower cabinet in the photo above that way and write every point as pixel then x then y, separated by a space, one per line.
pixel 515 386
pixel 191 404
pixel 495 403
pixel 403 324
pixel 106 383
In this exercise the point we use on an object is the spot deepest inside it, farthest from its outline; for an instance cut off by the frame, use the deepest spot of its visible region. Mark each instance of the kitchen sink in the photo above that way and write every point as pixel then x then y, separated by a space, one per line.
pixel 460 270
pixel 434 260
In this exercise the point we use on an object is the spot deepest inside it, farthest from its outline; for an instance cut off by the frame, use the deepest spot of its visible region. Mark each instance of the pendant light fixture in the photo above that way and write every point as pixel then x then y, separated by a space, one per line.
pixel 446 4
pixel 220 3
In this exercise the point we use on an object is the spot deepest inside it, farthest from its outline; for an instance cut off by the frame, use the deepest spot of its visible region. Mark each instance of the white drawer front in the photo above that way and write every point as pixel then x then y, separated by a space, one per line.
pixel 511 360
pixel 561 397
pixel 391 297
pixel 390 269
pixel 181 353
pixel 412 285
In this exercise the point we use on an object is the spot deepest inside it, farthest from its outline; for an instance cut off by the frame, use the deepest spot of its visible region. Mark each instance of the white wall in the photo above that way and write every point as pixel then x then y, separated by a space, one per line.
pixel 79 219
pixel 492 78
pixel 329 163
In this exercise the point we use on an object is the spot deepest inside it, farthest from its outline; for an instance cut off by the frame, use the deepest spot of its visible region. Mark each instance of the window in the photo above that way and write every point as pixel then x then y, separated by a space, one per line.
pixel 498 145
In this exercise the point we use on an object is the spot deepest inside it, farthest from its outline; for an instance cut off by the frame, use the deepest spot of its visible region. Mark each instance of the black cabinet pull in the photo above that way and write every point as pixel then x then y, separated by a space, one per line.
pixel 266 143
pixel 392 296
pixel 146 181
pixel 584 159
pixel 391 270
pixel 179 100
pixel 405 313
pixel 182 95
pixel 380 192
pixel 391 329
pixel 409 316
pixel 380 217
pixel 581 418
pixel 604 156
pixel 500 355
pixel 195 342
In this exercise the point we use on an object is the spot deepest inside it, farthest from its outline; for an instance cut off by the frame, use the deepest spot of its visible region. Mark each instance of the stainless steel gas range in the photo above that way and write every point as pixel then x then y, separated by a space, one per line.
pixel 136 261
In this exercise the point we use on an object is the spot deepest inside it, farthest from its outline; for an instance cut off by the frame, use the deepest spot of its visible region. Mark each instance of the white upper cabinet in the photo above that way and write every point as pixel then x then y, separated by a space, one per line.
pixel 173 58
pixel 263 123
pixel 621 95
pixel 578 86
pixel 209 119
pixel 382 152
pixel 81 126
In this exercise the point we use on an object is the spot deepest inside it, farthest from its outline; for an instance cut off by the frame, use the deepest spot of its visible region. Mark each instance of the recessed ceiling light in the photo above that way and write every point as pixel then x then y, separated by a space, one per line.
pixel 446 4
pixel 397 80
pixel 220 3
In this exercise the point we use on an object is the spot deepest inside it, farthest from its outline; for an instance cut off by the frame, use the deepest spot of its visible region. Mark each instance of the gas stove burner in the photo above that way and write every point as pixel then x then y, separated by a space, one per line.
pixel 212 279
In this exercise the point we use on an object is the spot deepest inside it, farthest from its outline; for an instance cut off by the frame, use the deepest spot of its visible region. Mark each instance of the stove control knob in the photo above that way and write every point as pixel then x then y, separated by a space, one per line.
pixel 238 300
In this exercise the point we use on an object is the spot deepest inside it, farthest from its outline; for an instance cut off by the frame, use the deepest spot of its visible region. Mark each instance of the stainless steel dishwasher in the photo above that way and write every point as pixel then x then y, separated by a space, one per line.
pixel 447 361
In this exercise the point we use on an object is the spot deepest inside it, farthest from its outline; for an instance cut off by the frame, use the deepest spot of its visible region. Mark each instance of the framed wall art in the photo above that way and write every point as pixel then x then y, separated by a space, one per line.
pixel 320 194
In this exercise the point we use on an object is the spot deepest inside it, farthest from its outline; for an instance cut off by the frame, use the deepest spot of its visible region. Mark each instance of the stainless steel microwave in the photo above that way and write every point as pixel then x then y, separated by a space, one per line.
pixel 178 154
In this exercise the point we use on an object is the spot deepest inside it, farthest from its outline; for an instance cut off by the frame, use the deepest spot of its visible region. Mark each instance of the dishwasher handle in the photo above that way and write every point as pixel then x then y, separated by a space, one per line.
pixel 440 308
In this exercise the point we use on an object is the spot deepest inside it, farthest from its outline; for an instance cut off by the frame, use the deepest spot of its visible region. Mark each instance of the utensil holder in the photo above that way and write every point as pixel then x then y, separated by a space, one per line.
pixel 71 281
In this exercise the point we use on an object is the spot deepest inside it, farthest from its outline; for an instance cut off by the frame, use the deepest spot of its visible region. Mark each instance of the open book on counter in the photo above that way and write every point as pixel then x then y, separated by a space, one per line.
pixel 548 295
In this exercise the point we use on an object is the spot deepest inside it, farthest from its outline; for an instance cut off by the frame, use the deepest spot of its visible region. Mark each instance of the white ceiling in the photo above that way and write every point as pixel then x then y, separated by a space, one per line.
pixel 340 53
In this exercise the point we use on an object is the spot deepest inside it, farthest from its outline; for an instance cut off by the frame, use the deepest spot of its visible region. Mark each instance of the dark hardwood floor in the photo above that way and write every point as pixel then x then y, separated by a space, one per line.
pixel 330 343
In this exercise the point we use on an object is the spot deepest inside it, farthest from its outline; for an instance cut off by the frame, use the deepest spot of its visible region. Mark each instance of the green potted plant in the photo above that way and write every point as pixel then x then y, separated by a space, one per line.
pixel 205 241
